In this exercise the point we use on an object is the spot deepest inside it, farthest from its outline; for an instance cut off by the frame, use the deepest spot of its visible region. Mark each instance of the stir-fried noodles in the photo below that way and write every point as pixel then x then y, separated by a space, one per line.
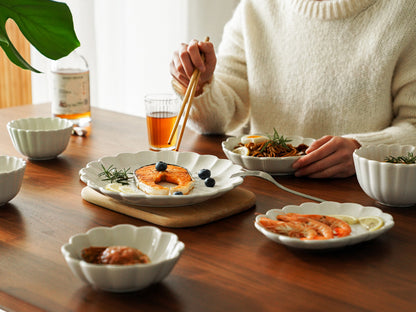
pixel 266 149
pixel 274 146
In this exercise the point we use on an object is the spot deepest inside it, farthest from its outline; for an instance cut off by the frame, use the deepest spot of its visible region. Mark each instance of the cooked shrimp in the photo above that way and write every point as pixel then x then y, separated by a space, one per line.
pixel 323 230
pixel 291 229
pixel 339 227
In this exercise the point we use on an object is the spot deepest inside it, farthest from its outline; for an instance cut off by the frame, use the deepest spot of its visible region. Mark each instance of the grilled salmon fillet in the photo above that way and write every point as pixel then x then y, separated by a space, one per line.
pixel 148 179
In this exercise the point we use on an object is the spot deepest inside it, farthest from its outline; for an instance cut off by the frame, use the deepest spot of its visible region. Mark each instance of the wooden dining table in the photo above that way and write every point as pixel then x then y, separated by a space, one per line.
pixel 227 264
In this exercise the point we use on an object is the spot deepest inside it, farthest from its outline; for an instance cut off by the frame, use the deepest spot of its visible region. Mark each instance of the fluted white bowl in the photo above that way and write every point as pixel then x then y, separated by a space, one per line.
pixel 163 249
pixel 12 170
pixel 272 165
pixel 40 138
pixel 388 183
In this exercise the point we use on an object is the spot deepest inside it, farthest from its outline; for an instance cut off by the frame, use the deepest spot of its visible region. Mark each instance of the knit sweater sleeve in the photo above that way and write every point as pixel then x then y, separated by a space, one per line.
pixel 403 127
pixel 223 106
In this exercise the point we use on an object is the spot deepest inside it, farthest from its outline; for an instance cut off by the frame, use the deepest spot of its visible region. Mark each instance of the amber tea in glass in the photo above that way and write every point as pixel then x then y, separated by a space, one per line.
pixel 161 114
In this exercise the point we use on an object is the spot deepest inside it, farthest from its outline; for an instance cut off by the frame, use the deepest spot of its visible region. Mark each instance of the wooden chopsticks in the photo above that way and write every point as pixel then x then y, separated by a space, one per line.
pixel 186 103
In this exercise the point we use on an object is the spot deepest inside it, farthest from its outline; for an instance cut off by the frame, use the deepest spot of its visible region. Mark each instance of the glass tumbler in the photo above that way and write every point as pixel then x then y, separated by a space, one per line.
pixel 161 114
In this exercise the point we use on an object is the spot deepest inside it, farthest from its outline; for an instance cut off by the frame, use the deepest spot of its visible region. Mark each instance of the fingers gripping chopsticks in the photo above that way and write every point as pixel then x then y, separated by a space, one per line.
pixel 186 103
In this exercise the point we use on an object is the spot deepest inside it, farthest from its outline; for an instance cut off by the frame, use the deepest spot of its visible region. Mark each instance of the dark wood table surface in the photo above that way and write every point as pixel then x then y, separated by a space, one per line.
pixel 227 265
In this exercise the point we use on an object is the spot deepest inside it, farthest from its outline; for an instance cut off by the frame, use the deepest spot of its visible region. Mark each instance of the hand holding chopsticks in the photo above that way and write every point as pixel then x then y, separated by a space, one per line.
pixel 186 103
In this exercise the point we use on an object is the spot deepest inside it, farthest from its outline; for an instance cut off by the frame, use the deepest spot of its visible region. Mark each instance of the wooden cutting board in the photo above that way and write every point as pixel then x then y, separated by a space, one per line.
pixel 235 201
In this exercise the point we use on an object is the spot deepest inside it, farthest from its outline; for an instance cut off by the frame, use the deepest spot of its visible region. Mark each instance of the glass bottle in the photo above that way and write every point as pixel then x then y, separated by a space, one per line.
pixel 70 91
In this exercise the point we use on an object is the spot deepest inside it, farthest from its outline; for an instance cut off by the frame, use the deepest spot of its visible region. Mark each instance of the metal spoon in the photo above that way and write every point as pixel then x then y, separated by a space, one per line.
pixel 268 177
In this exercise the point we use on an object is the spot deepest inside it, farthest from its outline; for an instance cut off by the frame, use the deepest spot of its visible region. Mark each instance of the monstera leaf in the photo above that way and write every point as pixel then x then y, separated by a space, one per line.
pixel 46 24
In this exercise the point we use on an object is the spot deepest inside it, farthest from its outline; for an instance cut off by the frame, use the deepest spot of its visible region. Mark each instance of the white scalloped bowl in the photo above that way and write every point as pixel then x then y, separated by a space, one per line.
pixel 40 138
pixel 221 171
pixel 163 248
pixel 272 165
pixel 388 183
pixel 12 170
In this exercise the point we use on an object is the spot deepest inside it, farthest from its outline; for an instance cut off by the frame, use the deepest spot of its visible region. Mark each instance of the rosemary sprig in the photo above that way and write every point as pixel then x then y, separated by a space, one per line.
pixel 112 175
pixel 276 140
pixel 408 159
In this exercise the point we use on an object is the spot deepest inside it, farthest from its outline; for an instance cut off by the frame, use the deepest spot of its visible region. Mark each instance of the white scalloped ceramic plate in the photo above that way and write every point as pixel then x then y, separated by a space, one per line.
pixel 272 165
pixel 221 171
pixel 358 233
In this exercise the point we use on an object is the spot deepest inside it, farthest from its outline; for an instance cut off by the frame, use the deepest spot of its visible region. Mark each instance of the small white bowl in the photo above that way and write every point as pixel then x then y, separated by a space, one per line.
pixel 272 165
pixel 12 170
pixel 40 138
pixel 163 249
pixel 388 183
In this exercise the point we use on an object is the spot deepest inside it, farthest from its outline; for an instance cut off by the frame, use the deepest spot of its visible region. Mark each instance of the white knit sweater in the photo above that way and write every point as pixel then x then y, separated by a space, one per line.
pixel 311 68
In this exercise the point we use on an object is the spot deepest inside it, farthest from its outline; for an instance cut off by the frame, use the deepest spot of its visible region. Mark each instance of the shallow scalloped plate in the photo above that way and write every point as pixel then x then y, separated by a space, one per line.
pixel 358 233
pixel 272 165
pixel 163 248
pixel 221 171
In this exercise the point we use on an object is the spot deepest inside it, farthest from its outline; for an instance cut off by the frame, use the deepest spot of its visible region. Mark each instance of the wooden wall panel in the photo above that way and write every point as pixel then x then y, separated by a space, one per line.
pixel 15 82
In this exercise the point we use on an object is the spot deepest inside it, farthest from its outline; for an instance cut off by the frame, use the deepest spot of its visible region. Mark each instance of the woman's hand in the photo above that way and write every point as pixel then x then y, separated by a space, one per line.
pixel 188 57
pixel 328 157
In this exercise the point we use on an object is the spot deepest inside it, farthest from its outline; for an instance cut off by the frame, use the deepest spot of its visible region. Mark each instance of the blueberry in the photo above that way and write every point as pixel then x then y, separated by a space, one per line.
pixel 178 193
pixel 161 166
pixel 204 174
pixel 210 182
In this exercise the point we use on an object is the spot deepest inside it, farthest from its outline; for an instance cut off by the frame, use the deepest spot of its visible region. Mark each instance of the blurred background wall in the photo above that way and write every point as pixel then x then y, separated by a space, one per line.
pixel 129 44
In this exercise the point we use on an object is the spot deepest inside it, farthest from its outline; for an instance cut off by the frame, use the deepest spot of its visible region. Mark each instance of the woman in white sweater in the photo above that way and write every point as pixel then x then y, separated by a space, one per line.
pixel 340 71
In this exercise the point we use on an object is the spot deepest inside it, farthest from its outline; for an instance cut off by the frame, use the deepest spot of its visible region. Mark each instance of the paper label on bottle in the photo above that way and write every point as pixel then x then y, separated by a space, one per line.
pixel 70 93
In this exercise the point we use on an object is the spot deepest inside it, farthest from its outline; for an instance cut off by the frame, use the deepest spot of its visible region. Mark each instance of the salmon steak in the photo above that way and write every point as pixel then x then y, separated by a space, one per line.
pixel 148 180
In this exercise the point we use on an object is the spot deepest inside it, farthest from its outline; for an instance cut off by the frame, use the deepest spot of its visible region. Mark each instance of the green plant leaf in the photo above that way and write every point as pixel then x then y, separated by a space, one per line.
pixel 15 56
pixel 46 24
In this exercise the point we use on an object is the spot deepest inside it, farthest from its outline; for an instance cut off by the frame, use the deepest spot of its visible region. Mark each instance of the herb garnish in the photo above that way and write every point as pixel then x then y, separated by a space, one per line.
pixel 114 175
pixel 408 159
pixel 276 140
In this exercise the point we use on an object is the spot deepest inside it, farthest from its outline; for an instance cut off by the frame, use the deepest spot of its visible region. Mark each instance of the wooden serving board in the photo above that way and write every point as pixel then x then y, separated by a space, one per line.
pixel 235 201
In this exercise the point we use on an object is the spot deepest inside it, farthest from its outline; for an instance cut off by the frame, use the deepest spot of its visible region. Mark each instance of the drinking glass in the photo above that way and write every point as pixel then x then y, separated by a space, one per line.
pixel 161 114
